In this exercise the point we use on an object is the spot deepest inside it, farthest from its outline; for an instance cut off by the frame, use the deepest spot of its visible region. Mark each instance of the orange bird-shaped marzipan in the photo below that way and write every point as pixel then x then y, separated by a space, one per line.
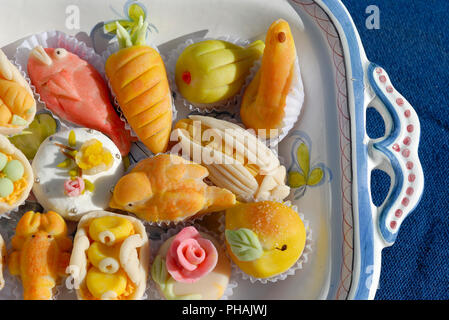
pixel 169 188
pixel 264 102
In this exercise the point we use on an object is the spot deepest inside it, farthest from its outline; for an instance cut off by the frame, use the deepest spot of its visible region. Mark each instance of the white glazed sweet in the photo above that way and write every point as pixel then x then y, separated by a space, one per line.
pixel 50 179
pixel 130 261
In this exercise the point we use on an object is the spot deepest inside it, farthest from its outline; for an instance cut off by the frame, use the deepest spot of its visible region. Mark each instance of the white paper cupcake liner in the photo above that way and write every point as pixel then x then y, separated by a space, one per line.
pixel 168 223
pixel 231 105
pixel 153 292
pixel 292 270
pixel 293 103
pixel 55 39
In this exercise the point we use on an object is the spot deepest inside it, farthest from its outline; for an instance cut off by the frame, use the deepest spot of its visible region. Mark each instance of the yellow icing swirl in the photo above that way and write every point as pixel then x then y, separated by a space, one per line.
pixel 93 158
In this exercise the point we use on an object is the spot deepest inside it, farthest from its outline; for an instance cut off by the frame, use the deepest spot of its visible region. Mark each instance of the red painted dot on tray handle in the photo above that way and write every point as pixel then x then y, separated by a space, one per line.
pixel 406 153
pixel 407 141
pixel 407 113
pixel 389 89
pixel 393 224
pixel 411 177
pixel 409 191
pixel 409 165
pixel 400 101
pixel 383 79
pixel 410 128
pixel 405 202
pixel 396 147
pixel 398 213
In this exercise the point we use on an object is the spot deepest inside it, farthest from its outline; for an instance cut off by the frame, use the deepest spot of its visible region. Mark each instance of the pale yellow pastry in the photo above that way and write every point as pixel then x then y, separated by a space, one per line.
pixel 168 188
pixel 110 257
pixel 17 104
pixel 235 158
pixel 16 176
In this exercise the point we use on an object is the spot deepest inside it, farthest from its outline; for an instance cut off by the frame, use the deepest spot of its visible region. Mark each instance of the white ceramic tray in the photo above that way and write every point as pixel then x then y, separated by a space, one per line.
pixel 340 83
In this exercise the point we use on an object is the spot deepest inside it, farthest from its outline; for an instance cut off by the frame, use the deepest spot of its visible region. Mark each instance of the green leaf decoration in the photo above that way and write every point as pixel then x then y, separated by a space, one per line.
pixel 160 275
pixel 129 33
pixel 170 294
pixel 65 164
pixel 159 272
pixel 123 37
pixel 72 138
pixel 112 26
pixel 89 185
pixel 302 155
pixel 139 36
pixel 135 12
pixel 296 179
pixel 244 244
pixel 315 177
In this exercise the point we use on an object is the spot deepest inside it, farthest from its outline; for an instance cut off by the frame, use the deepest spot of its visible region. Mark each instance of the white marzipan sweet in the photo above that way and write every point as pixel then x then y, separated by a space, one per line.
pixel 134 255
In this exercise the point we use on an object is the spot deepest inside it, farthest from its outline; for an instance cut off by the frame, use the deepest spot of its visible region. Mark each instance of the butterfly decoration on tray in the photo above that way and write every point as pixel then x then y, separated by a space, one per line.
pixel 302 173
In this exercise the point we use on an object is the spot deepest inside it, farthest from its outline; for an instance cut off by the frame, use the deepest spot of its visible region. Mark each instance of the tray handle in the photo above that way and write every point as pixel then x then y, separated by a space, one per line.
pixel 396 153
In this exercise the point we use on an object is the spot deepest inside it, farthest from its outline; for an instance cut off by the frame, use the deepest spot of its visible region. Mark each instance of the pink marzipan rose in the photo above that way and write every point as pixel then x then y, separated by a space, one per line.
pixel 74 188
pixel 190 256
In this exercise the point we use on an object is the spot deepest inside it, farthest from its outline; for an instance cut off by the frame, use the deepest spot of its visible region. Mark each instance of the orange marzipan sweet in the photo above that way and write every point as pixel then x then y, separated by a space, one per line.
pixel 139 80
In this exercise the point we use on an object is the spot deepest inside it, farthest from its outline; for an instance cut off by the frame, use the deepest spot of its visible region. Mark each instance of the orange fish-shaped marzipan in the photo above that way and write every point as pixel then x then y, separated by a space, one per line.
pixel 168 188
pixel 41 253
pixel 75 91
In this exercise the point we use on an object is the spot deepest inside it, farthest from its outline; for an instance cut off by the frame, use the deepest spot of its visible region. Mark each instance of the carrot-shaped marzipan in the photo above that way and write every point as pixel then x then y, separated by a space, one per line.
pixel 138 79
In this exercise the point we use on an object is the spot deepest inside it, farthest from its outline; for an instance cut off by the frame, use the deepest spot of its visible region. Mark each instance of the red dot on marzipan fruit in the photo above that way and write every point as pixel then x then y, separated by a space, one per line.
pixel 187 77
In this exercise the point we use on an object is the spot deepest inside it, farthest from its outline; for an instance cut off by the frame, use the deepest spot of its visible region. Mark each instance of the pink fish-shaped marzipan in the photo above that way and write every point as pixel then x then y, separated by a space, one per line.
pixel 76 92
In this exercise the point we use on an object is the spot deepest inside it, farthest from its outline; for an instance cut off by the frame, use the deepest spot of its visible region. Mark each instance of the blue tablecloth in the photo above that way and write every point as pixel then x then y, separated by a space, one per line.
pixel 412 45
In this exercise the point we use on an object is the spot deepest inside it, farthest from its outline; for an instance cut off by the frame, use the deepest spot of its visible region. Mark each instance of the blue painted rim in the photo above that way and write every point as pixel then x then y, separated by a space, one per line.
pixel 363 209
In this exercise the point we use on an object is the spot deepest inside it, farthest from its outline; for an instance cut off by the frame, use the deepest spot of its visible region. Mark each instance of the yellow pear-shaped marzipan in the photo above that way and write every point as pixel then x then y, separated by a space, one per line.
pixel 214 70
